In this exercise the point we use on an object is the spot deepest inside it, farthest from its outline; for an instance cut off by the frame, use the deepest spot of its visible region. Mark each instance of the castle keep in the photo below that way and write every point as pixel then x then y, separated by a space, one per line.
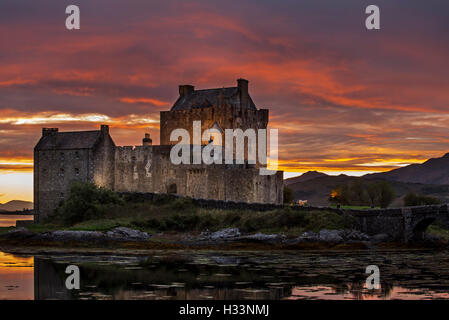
pixel 61 158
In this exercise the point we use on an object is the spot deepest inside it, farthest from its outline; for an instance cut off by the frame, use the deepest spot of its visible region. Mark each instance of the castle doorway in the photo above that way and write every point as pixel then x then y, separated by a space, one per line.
pixel 172 189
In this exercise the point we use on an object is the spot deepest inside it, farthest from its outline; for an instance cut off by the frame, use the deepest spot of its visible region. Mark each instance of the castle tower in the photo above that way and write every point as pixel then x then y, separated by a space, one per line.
pixel 226 108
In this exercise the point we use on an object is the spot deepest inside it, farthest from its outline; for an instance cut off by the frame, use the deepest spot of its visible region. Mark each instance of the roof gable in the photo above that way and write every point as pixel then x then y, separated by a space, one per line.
pixel 69 140
pixel 210 97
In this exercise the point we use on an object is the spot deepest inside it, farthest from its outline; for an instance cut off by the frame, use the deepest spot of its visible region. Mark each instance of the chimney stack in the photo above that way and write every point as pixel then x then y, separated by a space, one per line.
pixel 49 131
pixel 186 89
pixel 146 142
pixel 242 84
pixel 104 128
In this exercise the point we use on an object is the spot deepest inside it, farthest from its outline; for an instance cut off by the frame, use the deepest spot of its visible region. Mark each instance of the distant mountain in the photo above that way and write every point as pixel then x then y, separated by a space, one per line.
pixel 16 205
pixel 309 175
pixel 317 191
pixel 433 171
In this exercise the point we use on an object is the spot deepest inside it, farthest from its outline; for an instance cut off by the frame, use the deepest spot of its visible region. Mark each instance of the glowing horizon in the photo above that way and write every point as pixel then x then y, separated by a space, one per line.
pixel 345 100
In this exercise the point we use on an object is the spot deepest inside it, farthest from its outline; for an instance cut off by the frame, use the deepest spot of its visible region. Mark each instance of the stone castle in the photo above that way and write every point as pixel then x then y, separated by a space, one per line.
pixel 61 158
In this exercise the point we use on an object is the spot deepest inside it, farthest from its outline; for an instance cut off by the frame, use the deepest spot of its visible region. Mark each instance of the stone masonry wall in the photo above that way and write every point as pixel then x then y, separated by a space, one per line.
pixel 226 116
pixel 149 169
pixel 54 172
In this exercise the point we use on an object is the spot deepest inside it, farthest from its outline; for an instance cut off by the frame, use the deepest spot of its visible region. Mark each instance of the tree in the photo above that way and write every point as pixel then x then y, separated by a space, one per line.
pixel 288 195
pixel 361 193
pixel 358 192
pixel 341 195
pixel 386 194
pixel 86 201
pixel 413 199
pixel 372 192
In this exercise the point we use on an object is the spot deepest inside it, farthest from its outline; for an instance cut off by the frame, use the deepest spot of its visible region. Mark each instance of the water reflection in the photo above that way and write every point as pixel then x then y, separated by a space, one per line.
pixel 239 275
pixel 16 277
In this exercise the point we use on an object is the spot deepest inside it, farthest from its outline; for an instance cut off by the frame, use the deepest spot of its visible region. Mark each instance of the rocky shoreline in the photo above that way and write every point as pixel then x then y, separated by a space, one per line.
pixel 117 234
pixel 230 238
pixel 122 238
pixel 329 236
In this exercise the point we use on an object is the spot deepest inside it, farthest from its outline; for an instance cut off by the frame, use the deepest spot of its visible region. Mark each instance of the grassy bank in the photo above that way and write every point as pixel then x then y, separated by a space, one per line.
pixel 182 216
pixel 438 230
pixel 88 207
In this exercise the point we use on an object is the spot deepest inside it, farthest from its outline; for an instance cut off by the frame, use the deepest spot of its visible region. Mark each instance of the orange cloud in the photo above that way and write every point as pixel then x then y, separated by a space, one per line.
pixel 155 102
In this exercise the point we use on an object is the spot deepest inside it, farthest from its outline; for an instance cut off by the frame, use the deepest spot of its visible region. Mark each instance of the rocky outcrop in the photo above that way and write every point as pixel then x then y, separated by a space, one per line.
pixel 225 234
pixel 266 238
pixel 117 234
pixel 63 235
pixel 335 236
pixel 123 233
pixel 234 234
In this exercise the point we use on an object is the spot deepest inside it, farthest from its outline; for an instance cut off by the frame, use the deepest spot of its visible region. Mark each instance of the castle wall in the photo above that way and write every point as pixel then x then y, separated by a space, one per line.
pixel 103 162
pixel 227 117
pixel 149 169
pixel 54 172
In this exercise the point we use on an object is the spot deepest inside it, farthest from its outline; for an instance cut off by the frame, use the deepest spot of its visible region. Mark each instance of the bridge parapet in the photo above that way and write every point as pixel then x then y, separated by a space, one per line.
pixel 402 224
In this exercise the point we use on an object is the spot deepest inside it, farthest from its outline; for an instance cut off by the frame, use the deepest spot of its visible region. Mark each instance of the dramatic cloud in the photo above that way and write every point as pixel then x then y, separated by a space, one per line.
pixel 344 99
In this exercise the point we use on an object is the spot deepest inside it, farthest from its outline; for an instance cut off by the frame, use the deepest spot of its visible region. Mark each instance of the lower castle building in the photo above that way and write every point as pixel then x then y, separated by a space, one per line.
pixel 61 158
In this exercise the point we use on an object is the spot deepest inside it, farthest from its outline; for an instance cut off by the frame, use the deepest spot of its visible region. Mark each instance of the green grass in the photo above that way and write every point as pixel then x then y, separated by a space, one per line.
pixel 43 227
pixel 439 231
pixel 182 216
pixel 89 207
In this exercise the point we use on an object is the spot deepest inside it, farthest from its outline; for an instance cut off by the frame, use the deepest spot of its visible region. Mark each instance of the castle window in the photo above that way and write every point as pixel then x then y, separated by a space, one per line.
pixel 61 156
pixel 61 172
pixel 77 171
pixel 77 155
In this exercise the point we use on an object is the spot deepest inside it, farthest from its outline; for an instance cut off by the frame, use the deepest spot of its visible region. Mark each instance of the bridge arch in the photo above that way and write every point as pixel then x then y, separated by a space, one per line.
pixel 420 227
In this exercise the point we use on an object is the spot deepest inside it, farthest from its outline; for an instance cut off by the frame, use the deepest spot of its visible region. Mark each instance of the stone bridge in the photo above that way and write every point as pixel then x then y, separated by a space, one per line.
pixel 403 224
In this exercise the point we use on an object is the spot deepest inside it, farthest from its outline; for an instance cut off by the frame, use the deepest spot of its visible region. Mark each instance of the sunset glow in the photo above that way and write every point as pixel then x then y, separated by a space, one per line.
pixel 344 100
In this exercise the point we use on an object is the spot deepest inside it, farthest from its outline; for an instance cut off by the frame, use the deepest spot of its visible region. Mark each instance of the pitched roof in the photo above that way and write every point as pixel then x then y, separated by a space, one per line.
pixel 210 97
pixel 69 140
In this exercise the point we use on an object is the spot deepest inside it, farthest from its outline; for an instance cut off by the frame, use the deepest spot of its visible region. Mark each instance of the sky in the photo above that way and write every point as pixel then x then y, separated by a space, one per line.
pixel 345 99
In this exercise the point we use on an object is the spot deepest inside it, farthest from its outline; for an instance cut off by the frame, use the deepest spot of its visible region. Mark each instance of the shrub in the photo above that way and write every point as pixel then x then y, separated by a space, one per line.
pixel 361 193
pixel 412 199
pixel 86 201
pixel 181 204
pixel 288 195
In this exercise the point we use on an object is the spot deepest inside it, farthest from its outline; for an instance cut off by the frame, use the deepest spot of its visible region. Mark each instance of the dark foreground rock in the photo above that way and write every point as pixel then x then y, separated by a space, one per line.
pixel 117 234
pixel 229 238
pixel 224 234
pixel 128 234
pixel 331 236
pixel 234 235
pixel 335 236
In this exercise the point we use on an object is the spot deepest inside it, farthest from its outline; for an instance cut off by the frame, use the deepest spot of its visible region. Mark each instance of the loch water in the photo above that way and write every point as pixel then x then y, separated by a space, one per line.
pixel 241 275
